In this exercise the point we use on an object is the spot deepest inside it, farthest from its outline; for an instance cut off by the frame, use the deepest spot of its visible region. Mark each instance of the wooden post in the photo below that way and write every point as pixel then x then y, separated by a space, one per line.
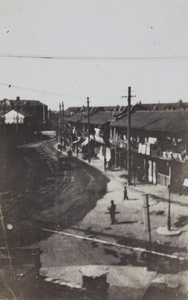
pixel 63 125
pixel 60 124
pixel 77 142
pixel 43 114
pixel 128 136
pixel 169 218
pixel 147 215
pixel 17 118
pixel 105 148
pixel 77 149
pixel 88 129
pixel 134 176
pixel 4 110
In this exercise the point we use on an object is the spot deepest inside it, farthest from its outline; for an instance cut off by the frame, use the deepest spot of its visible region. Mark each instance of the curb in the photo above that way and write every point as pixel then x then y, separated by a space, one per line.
pixel 143 250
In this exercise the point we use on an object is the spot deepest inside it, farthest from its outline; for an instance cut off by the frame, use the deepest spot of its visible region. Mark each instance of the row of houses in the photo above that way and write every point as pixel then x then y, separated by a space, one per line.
pixel 159 135
pixel 159 139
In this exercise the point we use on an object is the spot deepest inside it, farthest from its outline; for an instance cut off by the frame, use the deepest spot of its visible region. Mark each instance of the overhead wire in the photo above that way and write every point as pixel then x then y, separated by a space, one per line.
pixel 59 94
pixel 7 55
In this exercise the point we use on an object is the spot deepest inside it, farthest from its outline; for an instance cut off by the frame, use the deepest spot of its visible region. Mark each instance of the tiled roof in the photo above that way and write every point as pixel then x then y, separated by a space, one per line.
pixel 171 121
pixel 75 118
pixel 98 118
pixel 22 102
pixel 97 113
pixel 72 109
pixel 162 106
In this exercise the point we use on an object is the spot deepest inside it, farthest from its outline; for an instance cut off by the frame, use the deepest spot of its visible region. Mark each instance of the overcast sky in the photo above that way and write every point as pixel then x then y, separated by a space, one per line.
pixel 97 48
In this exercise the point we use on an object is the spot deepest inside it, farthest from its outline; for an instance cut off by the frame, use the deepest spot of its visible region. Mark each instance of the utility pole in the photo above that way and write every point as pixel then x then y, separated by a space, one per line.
pixel 88 129
pixel 43 114
pixel 77 139
pixel 147 216
pixel 17 118
pixel 169 218
pixel 4 111
pixel 105 138
pixel 129 135
pixel 63 121
pixel 60 124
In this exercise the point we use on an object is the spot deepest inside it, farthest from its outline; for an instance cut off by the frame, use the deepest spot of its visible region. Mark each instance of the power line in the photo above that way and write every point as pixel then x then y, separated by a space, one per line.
pixel 54 93
pixel 6 55
pixel 39 91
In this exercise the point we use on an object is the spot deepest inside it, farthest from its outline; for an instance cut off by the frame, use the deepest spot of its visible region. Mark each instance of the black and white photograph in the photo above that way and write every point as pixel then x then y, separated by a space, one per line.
pixel 94 150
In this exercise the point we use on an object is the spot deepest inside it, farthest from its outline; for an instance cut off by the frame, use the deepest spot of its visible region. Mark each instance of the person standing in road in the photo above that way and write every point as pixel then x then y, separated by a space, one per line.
pixel 125 196
pixel 112 210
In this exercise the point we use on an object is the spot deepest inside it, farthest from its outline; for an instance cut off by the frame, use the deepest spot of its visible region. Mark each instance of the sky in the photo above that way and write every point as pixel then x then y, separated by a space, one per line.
pixel 67 50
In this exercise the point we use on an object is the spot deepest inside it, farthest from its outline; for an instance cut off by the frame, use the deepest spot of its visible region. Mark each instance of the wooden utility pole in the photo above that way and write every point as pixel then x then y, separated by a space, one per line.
pixel 147 216
pixel 4 111
pixel 169 218
pixel 128 136
pixel 63 124
pixel 77 139
pixel 60 123
pixel 105 138
pixel 43 114
pixel 88 129
pixel 17 118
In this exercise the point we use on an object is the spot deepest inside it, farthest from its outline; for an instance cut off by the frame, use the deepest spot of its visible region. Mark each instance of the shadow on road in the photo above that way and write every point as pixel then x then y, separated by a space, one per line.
pixel 125 222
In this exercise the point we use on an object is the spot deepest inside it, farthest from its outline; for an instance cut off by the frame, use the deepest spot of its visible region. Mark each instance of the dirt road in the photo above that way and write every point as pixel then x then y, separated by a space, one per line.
pixel 43 196
pixel 35 194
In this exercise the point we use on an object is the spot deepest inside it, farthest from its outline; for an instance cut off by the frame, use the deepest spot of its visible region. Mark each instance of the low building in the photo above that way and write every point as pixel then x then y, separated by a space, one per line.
pixel 159 143
pixel 34 108
pixel 13 117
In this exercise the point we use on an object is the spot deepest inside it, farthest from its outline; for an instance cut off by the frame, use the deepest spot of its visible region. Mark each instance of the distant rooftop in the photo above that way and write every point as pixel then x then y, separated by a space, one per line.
pixel 99 118
pixel 171 121
pixel 23 102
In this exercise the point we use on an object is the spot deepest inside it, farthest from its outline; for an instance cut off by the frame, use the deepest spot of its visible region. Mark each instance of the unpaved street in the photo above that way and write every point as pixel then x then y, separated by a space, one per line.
pixel 56 213
pixel 44 196
pixel 36 194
